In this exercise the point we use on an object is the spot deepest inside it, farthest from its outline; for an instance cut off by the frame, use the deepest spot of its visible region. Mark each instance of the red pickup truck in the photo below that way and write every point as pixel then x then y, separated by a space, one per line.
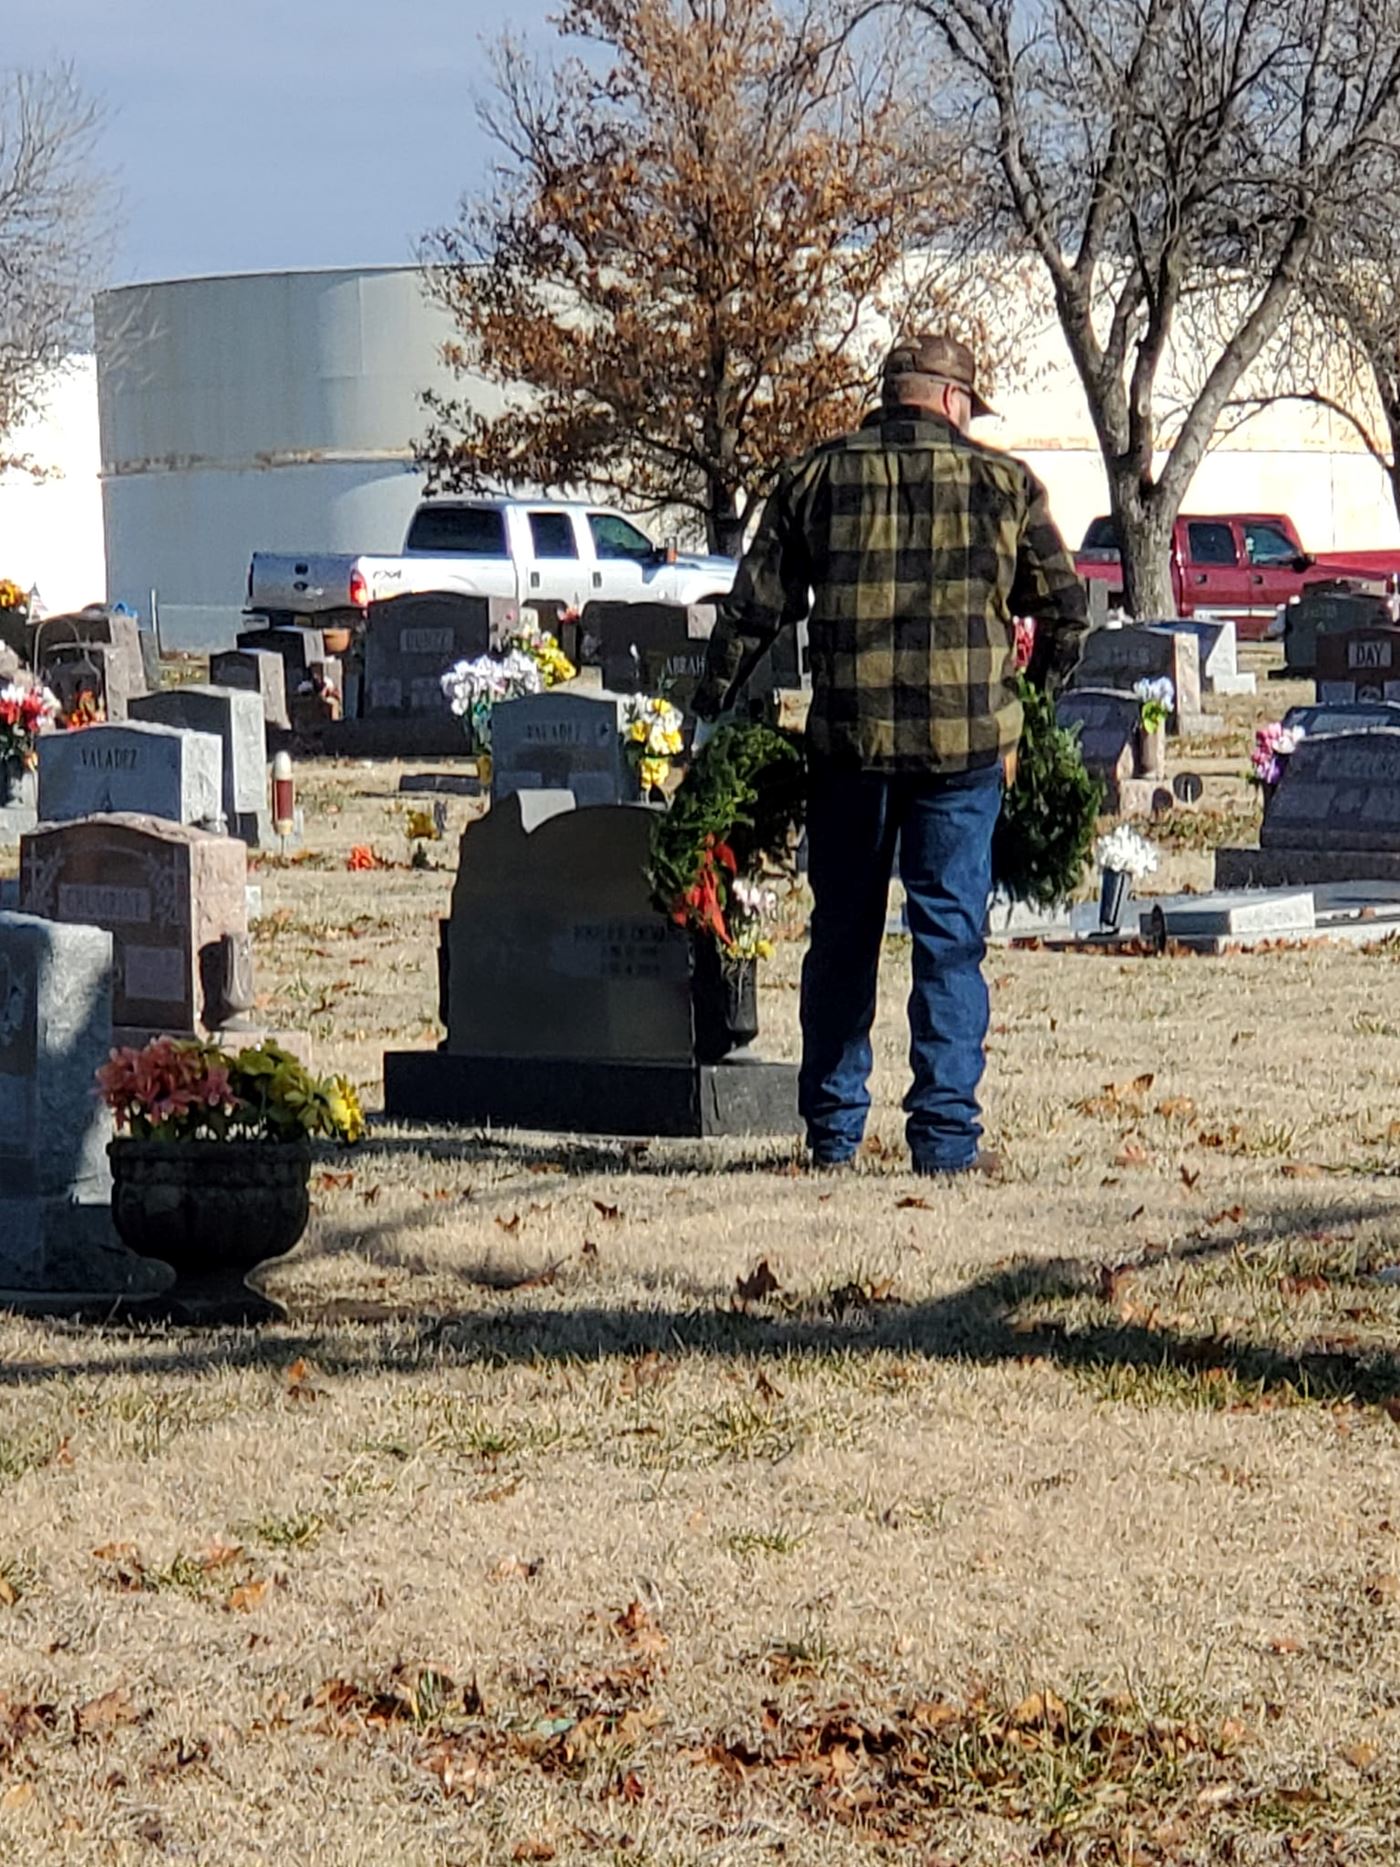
pixel 1239 564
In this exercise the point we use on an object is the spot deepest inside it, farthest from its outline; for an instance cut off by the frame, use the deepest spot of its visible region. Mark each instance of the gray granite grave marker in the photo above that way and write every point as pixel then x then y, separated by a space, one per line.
pixel 55 1030
pixel 567 995
pixel 561 741
pixel 1218 648
pixel 1361 718
pixel 411 642
pixel 235 717
pixel 166 893
pixel 1339 792
pixel 1118 658
pixel 1357 665
pixel 261 671
pixel 138 766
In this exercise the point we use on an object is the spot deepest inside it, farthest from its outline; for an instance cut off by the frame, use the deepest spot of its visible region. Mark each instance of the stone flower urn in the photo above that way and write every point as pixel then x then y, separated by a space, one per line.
pixel 1151 751
pixel 213 1211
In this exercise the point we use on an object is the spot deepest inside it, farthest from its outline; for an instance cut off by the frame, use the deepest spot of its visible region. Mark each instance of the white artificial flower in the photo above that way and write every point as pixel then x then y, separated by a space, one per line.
pixel 1124 850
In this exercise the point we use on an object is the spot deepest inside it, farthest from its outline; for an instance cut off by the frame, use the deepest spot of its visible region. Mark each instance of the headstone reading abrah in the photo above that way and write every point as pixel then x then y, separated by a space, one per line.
pixel 557 741
pixel 235 716
pixel 567 997
pixel 173 899
pixel 55 1030
pixel 140 767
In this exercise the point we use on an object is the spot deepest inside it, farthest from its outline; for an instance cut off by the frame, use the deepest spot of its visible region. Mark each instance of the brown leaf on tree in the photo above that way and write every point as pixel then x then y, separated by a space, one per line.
pixel 759 1283
pixel 98 1716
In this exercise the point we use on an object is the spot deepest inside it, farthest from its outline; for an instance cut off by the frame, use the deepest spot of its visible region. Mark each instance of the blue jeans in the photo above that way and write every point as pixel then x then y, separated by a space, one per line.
pixel 942 828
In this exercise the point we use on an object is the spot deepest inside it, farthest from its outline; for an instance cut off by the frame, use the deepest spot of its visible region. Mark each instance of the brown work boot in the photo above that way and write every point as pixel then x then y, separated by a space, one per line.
pixel 986 1164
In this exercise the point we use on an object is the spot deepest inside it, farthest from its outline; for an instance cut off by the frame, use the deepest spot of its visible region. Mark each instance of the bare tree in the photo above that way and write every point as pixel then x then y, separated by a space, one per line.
pixel 700 233
pixel 55 209
pixel 1175 167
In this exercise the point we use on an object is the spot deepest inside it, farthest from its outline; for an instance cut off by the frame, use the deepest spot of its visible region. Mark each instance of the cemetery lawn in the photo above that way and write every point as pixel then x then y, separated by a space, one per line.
pixel 615 1503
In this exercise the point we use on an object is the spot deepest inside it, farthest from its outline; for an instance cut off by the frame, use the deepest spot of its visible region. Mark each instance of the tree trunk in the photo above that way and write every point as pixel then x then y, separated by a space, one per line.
pixel 1144 546
pixel 724 523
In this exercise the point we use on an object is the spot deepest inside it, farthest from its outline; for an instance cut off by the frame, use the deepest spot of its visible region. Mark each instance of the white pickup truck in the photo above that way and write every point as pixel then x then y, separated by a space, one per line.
pixel 520 549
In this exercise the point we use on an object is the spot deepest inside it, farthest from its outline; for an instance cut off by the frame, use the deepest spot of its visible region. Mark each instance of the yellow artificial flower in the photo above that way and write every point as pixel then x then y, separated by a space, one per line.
pixel 421 826
pixel 637 732
pixel 345 1111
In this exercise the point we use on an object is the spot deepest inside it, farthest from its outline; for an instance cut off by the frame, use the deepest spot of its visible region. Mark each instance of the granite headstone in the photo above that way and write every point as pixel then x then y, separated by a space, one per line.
pixel 411 642
pixel 561 741
pixel 174 900
pixel 1358 664
pixel 235 717
pixel 260 671
pixel 1118 658
pixel 138 766
pixel 1339 792
pixel 55 1030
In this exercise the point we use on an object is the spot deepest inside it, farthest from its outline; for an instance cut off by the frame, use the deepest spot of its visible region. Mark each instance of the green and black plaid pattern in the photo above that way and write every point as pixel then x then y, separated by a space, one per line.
pixel 919 546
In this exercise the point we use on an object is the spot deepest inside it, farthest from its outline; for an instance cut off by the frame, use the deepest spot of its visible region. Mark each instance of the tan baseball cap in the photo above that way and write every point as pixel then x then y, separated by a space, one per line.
pixel 939 359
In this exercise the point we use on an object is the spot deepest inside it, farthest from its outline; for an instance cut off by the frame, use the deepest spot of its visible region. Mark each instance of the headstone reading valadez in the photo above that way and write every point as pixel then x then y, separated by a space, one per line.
pixel 167 894
pixel 567 996
pixel 260 671
pixel 1339 792
pixel 411 641
pixel 1325 607
pixel 561 741
pixel 235 716
pixel 55 1030
pixel 1358 664
pixel 139 766
pixel 1118 658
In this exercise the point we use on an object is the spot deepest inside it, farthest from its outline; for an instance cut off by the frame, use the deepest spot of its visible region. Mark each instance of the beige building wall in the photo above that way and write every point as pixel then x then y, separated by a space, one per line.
pixel 1290 458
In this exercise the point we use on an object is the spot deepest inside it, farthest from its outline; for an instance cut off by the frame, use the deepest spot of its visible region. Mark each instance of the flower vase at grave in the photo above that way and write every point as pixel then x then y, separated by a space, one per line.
pixel 17 785
pixel 724 1000
pixel 1151 750
pixel 1113 897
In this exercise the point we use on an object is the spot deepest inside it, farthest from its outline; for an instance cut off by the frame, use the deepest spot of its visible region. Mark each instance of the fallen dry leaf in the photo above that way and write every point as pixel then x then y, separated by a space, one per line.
pixel 759 1283
pixel 219 1556
pixel 17 1796
pixel 609 1214
pixel 1228 1215
pixel 1176 1108
pixel 912 1203
pixel 641 1633
pixel 9 1594
pixel 107 1713
pixel 301 1388
pixel 1300 1170
pixel 331 1182
pixel 247 1596
pixel 1189 1177
pixel 1132 1154
pixel 511 1568
pixel 510 1225
pixel 533 1851
pixel 1360 1756
pixel 1383 1588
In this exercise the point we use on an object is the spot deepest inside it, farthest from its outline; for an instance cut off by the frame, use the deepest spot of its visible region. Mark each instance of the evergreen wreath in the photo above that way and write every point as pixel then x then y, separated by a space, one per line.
pixel 1042 842
pixel 744 794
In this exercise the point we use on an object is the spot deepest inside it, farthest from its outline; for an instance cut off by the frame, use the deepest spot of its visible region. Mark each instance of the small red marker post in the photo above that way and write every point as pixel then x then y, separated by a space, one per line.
pixel 283 796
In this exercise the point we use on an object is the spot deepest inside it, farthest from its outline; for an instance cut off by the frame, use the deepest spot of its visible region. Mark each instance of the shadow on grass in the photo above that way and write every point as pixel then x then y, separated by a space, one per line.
pixel 983 1322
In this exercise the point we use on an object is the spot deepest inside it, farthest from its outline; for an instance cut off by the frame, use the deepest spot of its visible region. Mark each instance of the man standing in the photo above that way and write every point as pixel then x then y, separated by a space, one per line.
pixel 911 548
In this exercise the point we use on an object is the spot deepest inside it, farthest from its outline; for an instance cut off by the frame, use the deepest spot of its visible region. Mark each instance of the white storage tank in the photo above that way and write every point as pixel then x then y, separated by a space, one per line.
pixel 261 411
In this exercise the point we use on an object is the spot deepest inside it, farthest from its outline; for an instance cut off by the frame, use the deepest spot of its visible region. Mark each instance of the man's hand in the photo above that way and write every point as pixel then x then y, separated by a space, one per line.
pixel 703 734
pixel 1008 768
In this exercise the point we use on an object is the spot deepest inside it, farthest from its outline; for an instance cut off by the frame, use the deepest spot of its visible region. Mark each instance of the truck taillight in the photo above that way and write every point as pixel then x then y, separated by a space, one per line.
pixel 359 589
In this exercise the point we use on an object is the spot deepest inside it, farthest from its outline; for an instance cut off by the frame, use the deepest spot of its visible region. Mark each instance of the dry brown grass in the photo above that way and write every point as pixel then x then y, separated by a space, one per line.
pixel 1050 1521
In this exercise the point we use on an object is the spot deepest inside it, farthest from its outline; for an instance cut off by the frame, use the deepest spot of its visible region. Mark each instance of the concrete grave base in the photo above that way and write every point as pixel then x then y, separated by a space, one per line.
pixel 569 1096
pixel 418 735
pixel 1357 913
pixel 55 1247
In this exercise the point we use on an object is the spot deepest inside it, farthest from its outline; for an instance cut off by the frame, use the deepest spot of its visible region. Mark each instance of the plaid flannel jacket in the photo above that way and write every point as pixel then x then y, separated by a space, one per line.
pixel 916 547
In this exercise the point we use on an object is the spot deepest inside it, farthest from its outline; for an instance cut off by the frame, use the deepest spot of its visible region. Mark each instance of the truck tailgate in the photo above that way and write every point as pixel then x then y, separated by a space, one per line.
pixel 308 583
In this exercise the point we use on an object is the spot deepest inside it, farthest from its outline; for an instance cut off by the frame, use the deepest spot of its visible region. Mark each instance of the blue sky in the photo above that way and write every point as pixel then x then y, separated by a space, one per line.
pixel 276 133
